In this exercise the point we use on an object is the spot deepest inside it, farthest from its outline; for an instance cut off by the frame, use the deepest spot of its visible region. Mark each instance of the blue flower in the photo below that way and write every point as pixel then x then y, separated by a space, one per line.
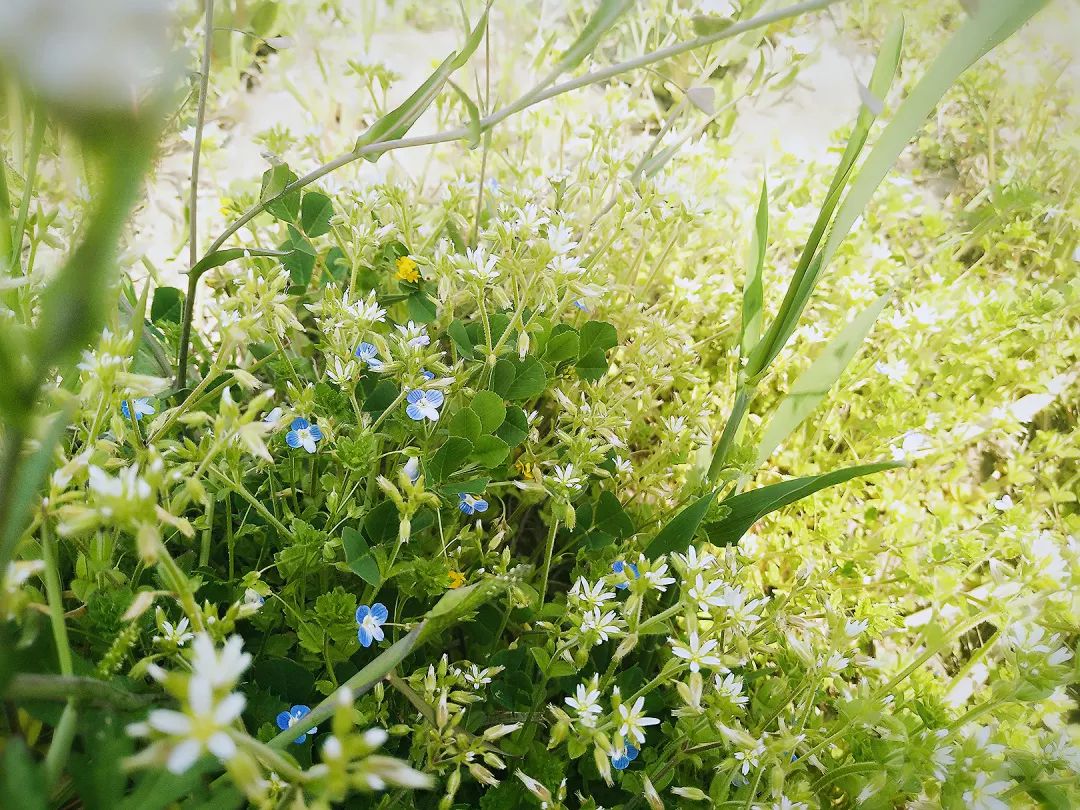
pixel 470 504
pixel 411 468
pixel 423 404
pixel 620 567
pixel 370 355
pixel 622 757
pixel 303 434
pixel 427 375
pixel 286 720
pixel 581 305
pixel 371 619
pixel 142 408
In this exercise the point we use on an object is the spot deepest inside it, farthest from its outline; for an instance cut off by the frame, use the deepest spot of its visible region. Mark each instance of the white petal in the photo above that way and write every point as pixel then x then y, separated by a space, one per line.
pixel 183 756
pixel 200 694
pixel 169 722
pixel 230 708
pixel 221 745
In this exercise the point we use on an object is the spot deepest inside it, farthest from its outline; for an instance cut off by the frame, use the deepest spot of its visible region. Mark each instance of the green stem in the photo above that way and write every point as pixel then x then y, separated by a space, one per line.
pixel 548 552
pixel 25 686
pixel 731 429
pixel 56 604
pixel 60 747
pixel 37 138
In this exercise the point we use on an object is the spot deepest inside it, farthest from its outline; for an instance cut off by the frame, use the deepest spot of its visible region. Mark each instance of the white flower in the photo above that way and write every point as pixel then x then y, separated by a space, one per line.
pixel 855 628
pixel 705 594
pixel 605 625
pixel 913 445
pixel 657 578
pixel 1003 504
pixel 480 265
pixel 586 702
pixel 127 485
pixel 203 727
pixel 590 596
pixel 342 372
pixel 692 564
pixel 750 757
pixel 177 634
pixel 896 371
pixel 220 670
pixel 564 265
pixel 561 239
pixel 415 335
pixel 633 720
pixel 730 687
pixel 566 477
pixel 984 794
pixel 697 652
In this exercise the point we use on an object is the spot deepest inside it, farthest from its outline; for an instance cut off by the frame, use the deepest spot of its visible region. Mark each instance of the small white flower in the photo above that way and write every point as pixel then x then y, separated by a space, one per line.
pixel 220 670
pixel 730 687
pixel 896 371
pixel 566 477
pixel 177 634
pixel 633 720
pixel 697 652
pixel 586 702
pixel 590 596
pixel 604 625
pixel 984 794
pixel 854 628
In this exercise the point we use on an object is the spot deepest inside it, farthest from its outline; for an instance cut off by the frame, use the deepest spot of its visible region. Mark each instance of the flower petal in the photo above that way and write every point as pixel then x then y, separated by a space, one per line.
pixel 299 423
pixel 169 722
pixel 283 719
pixel 292 439
pixel 379 611
pixel 221 745
pixel 183 756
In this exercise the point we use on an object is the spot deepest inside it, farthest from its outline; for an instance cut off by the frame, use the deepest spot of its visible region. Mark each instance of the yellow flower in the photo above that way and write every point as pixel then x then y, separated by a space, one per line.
pixel 406 269
pixel 457 579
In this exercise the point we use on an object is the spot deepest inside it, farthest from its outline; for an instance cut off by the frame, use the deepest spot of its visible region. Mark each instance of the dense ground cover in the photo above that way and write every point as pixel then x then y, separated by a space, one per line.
pixel 470 491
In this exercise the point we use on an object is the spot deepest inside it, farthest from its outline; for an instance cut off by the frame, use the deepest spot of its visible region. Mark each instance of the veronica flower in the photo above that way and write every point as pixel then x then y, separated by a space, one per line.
pixel 415 334
pixel 470 504
pixel 371 619
pixel 622 757
pixel 286 720
pixel 427 375
pixel 620 567
pixel 303 434
pixel 142 408
pixel 423 404
pixel 370 355
pixel 411 469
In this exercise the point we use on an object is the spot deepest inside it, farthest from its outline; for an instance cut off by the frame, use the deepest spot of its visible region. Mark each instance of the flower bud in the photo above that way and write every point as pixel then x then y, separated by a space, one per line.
pixel 651 796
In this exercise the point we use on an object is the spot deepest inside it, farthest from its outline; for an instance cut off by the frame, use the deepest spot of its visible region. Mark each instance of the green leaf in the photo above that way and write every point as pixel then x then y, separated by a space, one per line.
pixel 490 408
pixel 275 180
pixel 515 427
pixel 421 308
pixel 473 40
pixel 299 259
pixel 474 115
pixel 599 24
pixel 474 486
pixel 458 334
pixel 516 380
pixel 396 123
pixel 220 257
pixel 610 517
pixel 814 383
pixel 315 212
pixel 679 532
pixel 753 294
pixel 490 451
pixel 466 424
pixel 562 345
pixel 381 523
pixel 21 777
pixel 595 338
pixel 449 458
pixel 168 305
pixel 749 507
pixel 358 556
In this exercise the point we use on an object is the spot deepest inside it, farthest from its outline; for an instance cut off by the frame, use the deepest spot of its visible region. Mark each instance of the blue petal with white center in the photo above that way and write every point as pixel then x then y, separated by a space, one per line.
pixel 142 408
pixel 303 434
pixel 622 757
pixel 470 504
pixel 370 619
pixel 286 720
pixel 370 355
pixel 421 405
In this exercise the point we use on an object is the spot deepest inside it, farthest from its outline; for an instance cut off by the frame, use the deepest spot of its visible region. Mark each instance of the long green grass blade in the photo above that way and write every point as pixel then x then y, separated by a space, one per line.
pixel 814 383
pixel 885 68
pixel 599 24
pixel 753 293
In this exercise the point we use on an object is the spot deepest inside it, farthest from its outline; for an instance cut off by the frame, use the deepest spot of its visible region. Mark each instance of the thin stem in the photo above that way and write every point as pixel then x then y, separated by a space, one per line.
pixel 37 138
pixel 56 604
pixel 548 552
pixel 727 438
pixel 26 686
pixel 193 202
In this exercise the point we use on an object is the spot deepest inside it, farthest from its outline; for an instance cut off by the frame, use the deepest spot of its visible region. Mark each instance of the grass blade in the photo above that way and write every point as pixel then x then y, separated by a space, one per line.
pixel 753 294
pixel 814 383
pixel 605 17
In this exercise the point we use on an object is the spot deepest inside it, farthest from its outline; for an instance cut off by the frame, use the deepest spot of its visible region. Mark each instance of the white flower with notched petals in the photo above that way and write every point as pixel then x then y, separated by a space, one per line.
pixel 561 239
pixel 174 634
pixel 692 564
pixel 895 371
pixel 984 794
pixel 854 628
pixel 705 595
pixel 586 702
pixel 479 265
pixel 730 687
pixel 220 669
pixel 605 625
pixel 414 335
pixel 342 372
pixel 566 477
pixel 204 726
pixel 564 266
pixel 696 652
pixel 657 578
pixel 633 721
pixel 590 596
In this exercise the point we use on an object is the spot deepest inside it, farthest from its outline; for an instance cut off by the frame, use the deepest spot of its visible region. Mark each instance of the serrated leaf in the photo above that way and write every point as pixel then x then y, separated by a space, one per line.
pixel 814 383
pixel 749 507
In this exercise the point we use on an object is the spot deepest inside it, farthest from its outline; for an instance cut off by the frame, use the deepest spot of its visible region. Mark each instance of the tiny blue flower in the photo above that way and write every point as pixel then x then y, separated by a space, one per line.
pixel 470 504
pixel 303 434
pixel 427 375
pixel 581 305
pixel 411 468
pixel 423 404
pixel 142 408
pixel 370 355
pixel 622 757
pixel 620 567
pixel 286 720
pixel 371 619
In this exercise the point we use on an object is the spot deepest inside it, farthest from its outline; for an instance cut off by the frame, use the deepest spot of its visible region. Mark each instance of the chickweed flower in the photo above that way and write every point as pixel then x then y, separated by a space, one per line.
pixel 633 720
pixel 696 652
